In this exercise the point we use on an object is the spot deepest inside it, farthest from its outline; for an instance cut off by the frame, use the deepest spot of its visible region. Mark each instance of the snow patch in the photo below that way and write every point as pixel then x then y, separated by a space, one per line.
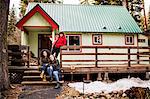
pixel 98 86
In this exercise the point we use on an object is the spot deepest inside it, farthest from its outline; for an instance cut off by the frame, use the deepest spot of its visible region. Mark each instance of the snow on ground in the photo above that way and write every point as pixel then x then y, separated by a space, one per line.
pixel 98 86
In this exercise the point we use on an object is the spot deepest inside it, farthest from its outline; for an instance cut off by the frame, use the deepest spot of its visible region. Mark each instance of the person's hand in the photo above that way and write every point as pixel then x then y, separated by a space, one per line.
pixel 51 67
pixel 54 54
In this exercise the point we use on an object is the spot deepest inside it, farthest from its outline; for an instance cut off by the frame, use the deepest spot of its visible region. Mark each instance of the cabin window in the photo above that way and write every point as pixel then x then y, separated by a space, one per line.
pixel 141 40
pixel 73 40
pixel 129 39
pixel 97 39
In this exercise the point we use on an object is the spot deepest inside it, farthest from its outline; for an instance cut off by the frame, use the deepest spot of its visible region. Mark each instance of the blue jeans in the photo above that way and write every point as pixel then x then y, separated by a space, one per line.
pixel 46 68
pixel 49 71
pixel 55 73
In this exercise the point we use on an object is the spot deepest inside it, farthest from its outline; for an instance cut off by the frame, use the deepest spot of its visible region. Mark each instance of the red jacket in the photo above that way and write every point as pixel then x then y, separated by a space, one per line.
pixel 61 42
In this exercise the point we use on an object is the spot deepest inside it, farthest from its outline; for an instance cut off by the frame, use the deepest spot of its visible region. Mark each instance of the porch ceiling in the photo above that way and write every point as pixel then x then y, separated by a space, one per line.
pixel 38 28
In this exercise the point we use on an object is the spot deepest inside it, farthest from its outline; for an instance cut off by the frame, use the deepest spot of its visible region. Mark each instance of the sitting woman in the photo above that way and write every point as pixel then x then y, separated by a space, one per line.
pixel 56 69
pixel 44 62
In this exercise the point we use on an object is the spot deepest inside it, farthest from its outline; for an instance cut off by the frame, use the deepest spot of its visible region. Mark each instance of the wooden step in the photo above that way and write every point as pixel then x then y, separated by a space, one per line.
pixel 24 68
pixel 32 71
pixel 40 82
pixel 33 77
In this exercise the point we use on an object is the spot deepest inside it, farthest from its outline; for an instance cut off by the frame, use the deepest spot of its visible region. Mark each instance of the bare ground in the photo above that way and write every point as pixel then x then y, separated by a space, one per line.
pixel 31 92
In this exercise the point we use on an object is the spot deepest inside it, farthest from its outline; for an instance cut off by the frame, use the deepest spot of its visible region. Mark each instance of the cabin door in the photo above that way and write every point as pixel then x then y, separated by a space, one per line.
pixel 44 42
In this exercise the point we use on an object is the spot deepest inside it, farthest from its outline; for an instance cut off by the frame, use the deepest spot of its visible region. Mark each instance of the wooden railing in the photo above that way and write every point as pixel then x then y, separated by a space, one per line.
pixel 128 53
pixel 18 55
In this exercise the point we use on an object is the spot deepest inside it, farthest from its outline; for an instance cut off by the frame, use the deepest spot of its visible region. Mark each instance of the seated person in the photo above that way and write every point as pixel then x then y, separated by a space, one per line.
pixel 56 69
pixel 44 62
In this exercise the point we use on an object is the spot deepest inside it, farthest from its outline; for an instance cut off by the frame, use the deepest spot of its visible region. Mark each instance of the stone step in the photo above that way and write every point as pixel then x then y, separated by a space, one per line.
pixel 40 82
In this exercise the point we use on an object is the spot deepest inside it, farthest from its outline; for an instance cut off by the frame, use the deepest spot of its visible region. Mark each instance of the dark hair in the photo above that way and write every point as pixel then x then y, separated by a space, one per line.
pixel 62 33
pixel 41 53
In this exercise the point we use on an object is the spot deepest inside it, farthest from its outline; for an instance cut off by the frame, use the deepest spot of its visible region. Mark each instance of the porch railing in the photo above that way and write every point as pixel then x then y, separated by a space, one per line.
pixel 128 53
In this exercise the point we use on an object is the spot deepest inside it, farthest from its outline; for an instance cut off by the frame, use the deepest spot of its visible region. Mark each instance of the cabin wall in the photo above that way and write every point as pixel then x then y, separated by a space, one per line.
pixel 109 39
pixel 24 38
pixel 33 41
pixel 143 37
pixel 36 20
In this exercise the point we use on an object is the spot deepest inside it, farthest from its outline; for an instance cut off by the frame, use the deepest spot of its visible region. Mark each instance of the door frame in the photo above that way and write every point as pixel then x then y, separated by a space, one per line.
pixel 50 35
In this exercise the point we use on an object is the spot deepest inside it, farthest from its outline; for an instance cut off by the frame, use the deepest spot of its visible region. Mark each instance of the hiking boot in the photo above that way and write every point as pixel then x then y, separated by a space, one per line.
pixel 44 78
pixel 51 79
pixel 42 75
pixel 57 85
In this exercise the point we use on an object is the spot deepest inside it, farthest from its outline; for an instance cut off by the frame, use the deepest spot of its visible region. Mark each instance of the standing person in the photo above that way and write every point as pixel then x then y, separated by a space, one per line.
pixel 60 42
pixel 54 49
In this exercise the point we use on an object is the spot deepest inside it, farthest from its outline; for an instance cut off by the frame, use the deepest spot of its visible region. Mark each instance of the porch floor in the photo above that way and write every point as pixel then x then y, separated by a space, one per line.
pixel 79 69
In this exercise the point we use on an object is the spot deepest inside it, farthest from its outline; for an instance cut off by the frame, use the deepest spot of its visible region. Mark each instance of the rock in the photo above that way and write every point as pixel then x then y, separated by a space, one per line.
pixel 124 95
pixel 108 96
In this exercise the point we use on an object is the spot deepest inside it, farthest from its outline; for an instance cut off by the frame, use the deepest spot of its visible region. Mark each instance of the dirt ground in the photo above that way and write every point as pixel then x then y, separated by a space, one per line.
pixel 31 92
pixel 66 92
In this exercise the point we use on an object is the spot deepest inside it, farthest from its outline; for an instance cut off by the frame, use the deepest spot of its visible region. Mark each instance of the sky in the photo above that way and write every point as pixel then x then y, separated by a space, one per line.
pixel 17 2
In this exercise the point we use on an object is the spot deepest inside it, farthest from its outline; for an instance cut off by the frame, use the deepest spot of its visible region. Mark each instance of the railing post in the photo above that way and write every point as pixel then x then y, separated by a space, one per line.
pixel 28 55
pixel 60 58
pixel 96 57
pixel 129 61
pixel 138 62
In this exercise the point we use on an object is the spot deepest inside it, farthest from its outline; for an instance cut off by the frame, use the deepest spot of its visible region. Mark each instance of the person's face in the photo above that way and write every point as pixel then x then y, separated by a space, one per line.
pixel 61 35
pixel 56 37
pixel 44 53
pixel 52 57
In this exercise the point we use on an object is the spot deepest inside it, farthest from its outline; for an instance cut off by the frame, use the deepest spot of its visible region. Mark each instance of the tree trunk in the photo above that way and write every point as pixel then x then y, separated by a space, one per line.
pixel 4 79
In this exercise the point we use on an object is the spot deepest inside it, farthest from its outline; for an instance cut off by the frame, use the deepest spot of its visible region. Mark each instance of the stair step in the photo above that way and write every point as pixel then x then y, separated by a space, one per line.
pixel 32 71
pixel 40 82
pixel 29 77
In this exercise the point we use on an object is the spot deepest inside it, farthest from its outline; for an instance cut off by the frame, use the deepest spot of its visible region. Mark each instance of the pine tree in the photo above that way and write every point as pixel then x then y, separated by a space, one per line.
pixel 24 3
pixel 11 22
pixel 12 31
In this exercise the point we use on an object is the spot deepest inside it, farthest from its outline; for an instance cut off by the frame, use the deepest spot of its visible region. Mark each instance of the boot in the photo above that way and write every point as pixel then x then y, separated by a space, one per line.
pixel 57 85
pixel 42 74
pixel 44 78
pixel 51 79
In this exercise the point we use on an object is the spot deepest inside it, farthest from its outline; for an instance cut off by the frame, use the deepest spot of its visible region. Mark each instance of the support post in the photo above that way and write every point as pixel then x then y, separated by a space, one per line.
pixel 71 76
pixel 129 61
pixel 147 75
pixel 138 58
pixel 99 78
pixel 28 55
pixel 60 58
pixel 106 77
pixel 88 76
pixel 96 57
pixel 53 35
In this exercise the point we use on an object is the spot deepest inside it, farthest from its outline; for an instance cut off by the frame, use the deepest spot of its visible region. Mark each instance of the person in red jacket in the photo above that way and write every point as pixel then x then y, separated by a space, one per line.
pixel 59 41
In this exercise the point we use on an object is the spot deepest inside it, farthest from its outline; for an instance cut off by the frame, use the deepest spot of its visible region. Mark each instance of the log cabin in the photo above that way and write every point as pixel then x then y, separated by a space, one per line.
pixel 100 39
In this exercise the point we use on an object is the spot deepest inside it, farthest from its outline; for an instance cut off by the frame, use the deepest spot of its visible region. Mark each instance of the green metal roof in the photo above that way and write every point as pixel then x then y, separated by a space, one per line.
pixel 87 18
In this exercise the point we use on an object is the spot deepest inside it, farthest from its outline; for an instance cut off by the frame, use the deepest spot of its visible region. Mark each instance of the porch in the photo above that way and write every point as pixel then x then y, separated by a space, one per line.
pixel 130 59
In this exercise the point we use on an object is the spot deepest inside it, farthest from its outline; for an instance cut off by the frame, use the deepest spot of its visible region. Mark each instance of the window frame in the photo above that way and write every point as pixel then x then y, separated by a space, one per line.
pixel 129 43
pixel 93 40
pixel 80 39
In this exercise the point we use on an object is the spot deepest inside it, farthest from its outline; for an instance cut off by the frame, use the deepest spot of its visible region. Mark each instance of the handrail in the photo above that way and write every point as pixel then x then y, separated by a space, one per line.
pixel 96 54
pixel 133 47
